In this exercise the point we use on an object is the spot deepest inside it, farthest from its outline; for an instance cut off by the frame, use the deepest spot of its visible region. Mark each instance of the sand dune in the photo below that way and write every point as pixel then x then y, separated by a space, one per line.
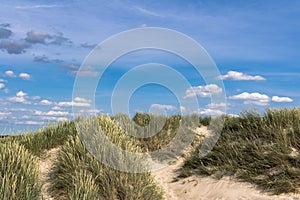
pixel 207 188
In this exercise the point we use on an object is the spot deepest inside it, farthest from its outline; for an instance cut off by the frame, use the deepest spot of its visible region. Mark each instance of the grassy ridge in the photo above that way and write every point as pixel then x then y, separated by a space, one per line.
pixel 80 176
pixel 77 174
pixel 263 150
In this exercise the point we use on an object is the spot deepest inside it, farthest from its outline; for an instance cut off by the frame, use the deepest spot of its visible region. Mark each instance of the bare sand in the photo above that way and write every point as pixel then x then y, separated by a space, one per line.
pixel 45 168
pixel 207 188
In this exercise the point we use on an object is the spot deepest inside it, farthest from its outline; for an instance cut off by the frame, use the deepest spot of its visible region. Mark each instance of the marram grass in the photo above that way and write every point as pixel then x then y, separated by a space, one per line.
pixel 264 150
pixel 79 174
pixel 19 172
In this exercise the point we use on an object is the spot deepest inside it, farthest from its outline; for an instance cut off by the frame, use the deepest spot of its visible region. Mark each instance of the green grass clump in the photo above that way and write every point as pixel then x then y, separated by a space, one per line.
pixel 264 150
pixel 79 175
pixel 19 172
pixel 47 138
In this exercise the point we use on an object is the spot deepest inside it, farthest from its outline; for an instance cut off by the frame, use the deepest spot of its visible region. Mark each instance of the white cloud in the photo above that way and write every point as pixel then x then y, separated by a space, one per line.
pixel 78 102
pixel 35 97
pixel 21 94
pixel 6 91
pixel 24 76
pixel 36 6
pixel 10 73
pixel 38 112
pixel 5 113
pixel 56 108
pixel 211 112
pixel 45 102
pixel 62 119
pixel 26 117
pixel 50 113
pixel 2 85
pixel 163 107
pixel 282 99
pixel 239 76
pixel 252 98
pixel 2 80
pixel 202 91
pixel 18 100
pixel 57 113
pixel 85 71
pixel 82 100
pixel 31 123
pixel 91 111
pixel 216 105
pixel 182 109
pixel 73 103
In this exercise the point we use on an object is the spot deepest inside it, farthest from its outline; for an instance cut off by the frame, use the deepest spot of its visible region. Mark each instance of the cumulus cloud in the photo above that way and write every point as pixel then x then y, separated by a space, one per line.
pixel 210 112
pixel 35 37
pixel 14 46
pixel 21 97
pixel 216 105
pixel 2 85
pixel 56 108
pixel 84 71
pixel 30 122
pixel 78 102
pixel 282 99
pixel 21 94
pixel 2 80
pixel 252 98
pixel 18 100
pixel 45 59
pixel 59 39
pixel 50 115
pixel 35 97
pixel 239 76
pixel 5 33
pixel 57 113
pixel 163 107
pixel 24 76
pixel 88 46
pixel 182 109
pixel 44 102
pixel 259 99
pixel 10 74
pixel 203 91
pixel 36 6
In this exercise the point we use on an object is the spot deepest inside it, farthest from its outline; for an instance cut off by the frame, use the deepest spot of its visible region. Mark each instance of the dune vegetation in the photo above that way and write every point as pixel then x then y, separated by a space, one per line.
pixel 76 174
pixel 263 150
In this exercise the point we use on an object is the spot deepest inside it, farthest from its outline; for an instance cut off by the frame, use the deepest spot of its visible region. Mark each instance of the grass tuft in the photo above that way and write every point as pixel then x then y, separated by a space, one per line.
pixel 264 150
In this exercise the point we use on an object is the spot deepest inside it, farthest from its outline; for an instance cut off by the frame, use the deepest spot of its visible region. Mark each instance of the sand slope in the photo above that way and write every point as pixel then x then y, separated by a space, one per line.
pixel 206 188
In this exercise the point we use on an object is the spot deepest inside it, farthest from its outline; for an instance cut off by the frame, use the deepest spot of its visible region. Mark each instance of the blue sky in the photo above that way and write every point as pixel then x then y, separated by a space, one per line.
pixel 255 46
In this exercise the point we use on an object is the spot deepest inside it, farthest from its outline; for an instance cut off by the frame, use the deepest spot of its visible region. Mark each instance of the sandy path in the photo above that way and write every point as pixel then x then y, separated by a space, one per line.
pixel 206 188
pixel 45 167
